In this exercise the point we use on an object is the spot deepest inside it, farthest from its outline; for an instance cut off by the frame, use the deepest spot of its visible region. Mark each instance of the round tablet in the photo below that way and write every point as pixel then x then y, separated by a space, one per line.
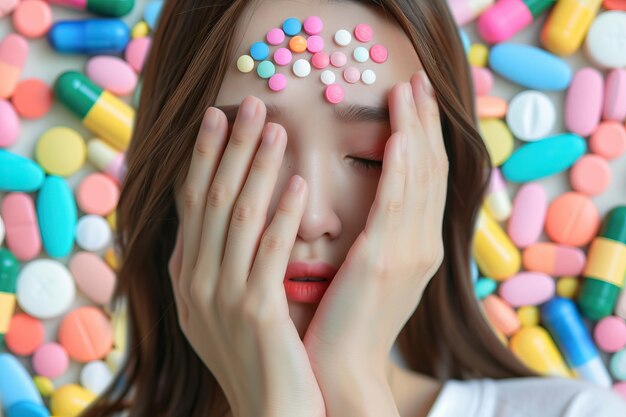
pixel 368 77
pixel 361 54
pixel 265 69
pixel 275 36
pixel 25 334
pixel 363 32
pixel 93 233
pixel 45 288
pixel 32 18
pixel 297 44
pixel 610 334
pixel 567 287
pixel 378 53
pixel 313 25
pixel 292 26
pixel 338 59
pixel 334 93
pixel 50 360
pixel 301 68
pixel 343 37
pixel 315 44
pixel 320 60
pixel 572 219
pixel 61 151
pixel 32 98
pixel 282 56
pixel 590 175
pixel 605 42
pixel 97 194
pixel 96 376
pixel 86 334
pixel 531 115
pixel 327 77
pixel 259 51
pixel 351 75
pixel 609 140
pixel 245 63
pixel 617 365
pixel 277 82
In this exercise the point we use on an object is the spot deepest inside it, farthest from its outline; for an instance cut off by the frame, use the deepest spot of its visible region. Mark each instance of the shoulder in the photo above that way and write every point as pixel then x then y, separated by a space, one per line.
pixel 526 397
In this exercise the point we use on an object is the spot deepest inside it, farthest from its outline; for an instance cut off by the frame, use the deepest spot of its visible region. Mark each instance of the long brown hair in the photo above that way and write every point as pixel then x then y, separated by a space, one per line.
pixel 447 336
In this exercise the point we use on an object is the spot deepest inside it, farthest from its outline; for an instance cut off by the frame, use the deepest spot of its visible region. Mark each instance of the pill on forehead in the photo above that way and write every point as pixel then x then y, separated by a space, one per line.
pixel 320 60
pixel 351 74
pixel 343 37
pixel 338 59
pixel 265 69
pixel 368 77
pixel 245 63
pixel 313 25
pixel 334 93
pixel 301 68
pixel 361 54
pixel 327 77
pixel 277 82
pixel 259 51
pixel 292 26
pixel 297 44
pixel 282 56
pixel 363 32
pixel 275 36
pixel 378 53
pixel 315 43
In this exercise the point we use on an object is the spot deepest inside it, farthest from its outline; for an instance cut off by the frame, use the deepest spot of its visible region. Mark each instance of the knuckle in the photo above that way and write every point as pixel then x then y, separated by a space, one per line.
pixel 394 206
pixel 217 195
pixel 244 210
pixel 191 195
pixel 238 138
pixel 204 149
pixel 272 242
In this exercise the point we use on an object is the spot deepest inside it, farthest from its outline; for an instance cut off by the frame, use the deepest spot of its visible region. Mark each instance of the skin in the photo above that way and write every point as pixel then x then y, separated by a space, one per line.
pixel 321 148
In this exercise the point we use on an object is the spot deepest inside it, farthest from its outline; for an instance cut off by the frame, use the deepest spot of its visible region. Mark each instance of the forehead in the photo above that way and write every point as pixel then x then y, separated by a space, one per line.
pixel 262 16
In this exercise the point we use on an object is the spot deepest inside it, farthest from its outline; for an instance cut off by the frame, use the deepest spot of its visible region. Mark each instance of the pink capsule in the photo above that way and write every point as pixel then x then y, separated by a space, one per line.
pixel 22 228
pixel 554 259
pixel 13 53
pixel 464 11
pixel 615 95
pixel 528 215
pixel 483 80
pixel 583 102
pixel 507 17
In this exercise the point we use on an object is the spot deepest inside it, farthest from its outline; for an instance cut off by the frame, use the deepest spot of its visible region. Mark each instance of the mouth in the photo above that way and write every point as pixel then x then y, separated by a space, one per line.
pixel 308 279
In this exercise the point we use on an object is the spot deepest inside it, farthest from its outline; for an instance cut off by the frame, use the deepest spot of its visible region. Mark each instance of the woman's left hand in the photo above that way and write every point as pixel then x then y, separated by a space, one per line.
pixel 381 281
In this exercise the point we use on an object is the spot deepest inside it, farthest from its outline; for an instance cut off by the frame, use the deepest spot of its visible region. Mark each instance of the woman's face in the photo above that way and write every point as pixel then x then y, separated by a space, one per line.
pixel 321 146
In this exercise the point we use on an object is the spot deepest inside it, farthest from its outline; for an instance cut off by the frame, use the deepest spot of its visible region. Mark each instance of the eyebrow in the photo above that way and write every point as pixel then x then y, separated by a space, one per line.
pixel 345 113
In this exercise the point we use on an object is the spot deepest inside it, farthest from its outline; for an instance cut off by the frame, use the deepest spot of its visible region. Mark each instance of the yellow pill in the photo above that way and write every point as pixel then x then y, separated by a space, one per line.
pixel 297 44
pixel 44 385
pixel 498 139
pixel 119 323
pixel 478 55
pixel 245 63
pixel 114 359
pixel 528 316
pixel 61 151
pixel 534 346
pixel 568 24
pixel 111 219
pixel 140 30
pixel 494 252
pixel 111 259
pixel 567 287
pixel 70 400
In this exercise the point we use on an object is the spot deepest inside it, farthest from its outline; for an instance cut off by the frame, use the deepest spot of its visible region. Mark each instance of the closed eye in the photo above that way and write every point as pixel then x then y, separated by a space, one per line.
pixel 367 164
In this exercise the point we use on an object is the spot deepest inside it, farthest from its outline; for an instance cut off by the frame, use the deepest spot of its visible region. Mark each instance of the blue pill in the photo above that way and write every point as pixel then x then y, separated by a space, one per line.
pixel 465 40
pixel 152 12
pixel 90 36
pixel 16 384
pixel 259 51
pixel 28 409
pixel 56 212
pixel 484 287
pixel 292 26
pixel 18 173
pixel 530 66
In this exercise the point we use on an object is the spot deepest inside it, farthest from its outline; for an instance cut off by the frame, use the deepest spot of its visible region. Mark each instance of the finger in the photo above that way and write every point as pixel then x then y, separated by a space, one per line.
pixel 174 268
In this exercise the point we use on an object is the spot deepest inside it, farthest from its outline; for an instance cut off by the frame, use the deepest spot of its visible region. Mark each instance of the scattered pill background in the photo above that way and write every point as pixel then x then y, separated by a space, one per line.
pixel 507 300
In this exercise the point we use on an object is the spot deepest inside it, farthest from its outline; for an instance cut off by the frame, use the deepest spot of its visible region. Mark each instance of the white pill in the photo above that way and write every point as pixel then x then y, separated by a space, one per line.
pixel 92 232
pixel 361 54
pixel 96 376
pixel 45 288
pixel 605 44
pixel 368 76
pixel 531 115
pixel 301 68
pixel 1 231
pixel 327 77
pixel 343 37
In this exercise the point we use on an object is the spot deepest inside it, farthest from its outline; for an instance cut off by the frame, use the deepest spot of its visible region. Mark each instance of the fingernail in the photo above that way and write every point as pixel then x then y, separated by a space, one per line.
pixel 296 183
pixel 269 136
pixel 211 119
pixel 248 109
pixel 426 85
pixel 408 93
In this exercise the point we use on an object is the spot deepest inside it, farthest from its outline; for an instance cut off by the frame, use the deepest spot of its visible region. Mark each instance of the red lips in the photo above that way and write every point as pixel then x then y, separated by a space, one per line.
pixel 305 269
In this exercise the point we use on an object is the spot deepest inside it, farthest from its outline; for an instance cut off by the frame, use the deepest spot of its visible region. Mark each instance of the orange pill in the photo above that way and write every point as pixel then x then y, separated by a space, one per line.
pixel 32 98
pixel 25 334
pixel 553 259
pixel 86 334
pixel 489 107
pixel 501 315
pixel 572 219
pixel 590 175
pixel 297 44
pixel 609 140
pixel 32 18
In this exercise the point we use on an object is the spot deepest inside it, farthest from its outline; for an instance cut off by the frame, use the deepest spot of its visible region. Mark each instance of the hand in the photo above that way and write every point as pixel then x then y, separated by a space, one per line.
pixel 227 273
pixel 381 281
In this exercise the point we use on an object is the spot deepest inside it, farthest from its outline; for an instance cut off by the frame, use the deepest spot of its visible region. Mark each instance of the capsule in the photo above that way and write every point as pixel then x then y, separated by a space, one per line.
pixel 104 114
pixel 91 36
pixel 507 17
pixel 566 326
pixel 496 256
pixel 16 385
pixel 13 53
pixel 464 11
pixel 567 25
pixel 107 159
pixel 113 8
pixel 497 200
pixel 534 346
pixel 605 268
pixel 57 214
pixel 9 267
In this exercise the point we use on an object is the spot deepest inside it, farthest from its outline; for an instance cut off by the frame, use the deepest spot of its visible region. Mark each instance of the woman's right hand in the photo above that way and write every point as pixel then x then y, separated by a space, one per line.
pixel 227 273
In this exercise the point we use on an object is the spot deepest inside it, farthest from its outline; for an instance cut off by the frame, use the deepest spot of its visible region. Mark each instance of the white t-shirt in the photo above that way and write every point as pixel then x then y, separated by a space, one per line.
pixel 526 397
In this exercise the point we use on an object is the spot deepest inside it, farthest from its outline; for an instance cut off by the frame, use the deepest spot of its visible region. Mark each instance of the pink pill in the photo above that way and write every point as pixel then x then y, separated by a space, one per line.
pixel 378 53
pixel 282 56
pixel 313 25
pixel 583 102
pixel 315 43
pixel 620 388
pixel 483 81
pixel 10 122
pixel 32 18
pixel 275 36
pixel 610 334
pixel 363 32
pixel 7 6
pixel 320 60
pixel 97 194
pixel 277 82
pixel 334 93
pixel 338 59
pixel 352 75
pixel 528 214
pixel 609 140
pixel 590 175
pixel 615 95
pixel 527 289
pixel 50 360
pixel 13 53
pixel 137 51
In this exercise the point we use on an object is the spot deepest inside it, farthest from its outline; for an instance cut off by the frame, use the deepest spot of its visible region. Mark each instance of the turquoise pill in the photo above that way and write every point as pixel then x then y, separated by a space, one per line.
pixel 9 267
pixel 465 40
pixel 361 54
pixel 292 26
pixel 56 211
pixel 484 287
pixel 617 365
pixel 259 51
pixel 18 173
pixel 265 69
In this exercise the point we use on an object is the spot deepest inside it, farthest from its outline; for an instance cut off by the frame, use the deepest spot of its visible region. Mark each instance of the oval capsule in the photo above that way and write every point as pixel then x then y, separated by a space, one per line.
pixel 498 139
pixel 572 219
pixel 495 254
pixel 615 95
pixel 13 53
pixel 16 385
pixel 583 102
pixel 22 230
pixel 528 214
pixel 567 24
pixel 112 73
pixel 57 214
pixel 507 17
pixel 113 8
pixel 534 346
pixel 501 315
pixel 89 36
pixel 527 289
pixel 497 201
pixel 10 122
pixel 554 259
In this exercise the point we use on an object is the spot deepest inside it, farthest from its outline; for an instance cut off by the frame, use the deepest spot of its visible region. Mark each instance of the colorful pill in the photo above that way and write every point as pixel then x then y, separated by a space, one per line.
pixel 314 43
pixel 245 63
pixel 495 254
pixel 583 103
pixel 501 315
pixel 10 122
pixel 9 268
pixel 107 159
pixel 18 173
pixel 93 277
pixel 360 54
pixel 498 139
pixel 567 24
pixel 7 7
pixel 90 36
pixel 32 18
pixel 497 201
pixel 528 215
pixel 112 74
pixel 342 37
pixel 97 194
pixel 338 59
pixel 277 82
pixel 368 77
pixel 16 384
pixel 508 17
pixel 301 68
pixel 298 44
pixel 22 228
pixel 484 287
pixel 334 93
pixel 590 175
pixel 113 8
pixel 534 346
pixel 605 43
pixel 92 233
pixel 320 60
pixel 259 51
pixel 313 25
pixel 265 69
pixel 50 360
pixel 363 32
pixel 32 98
pixel 86 334
pixel 478 55
pixel 491 107
pixel 531 115
pixel 464 11
pixel 378 53
pixel 70 400
pixel 96 377
pixel 45 288
pixel 614 4
pixel 275 36
pixel 351 75
pixel 615 95
pixel 617 365
pixel 292 26
pixel 25 334
pixel 567 287
pixel 528 316
pixel 61 151
pixel 56 211
pixel 137 51
pixel 609 140
pixel 527 289
pixel 620 307
pixel 13 53
pixel 554 259
pixel 152 12
pixel 482 78
pixel 572 219
pixel 610 334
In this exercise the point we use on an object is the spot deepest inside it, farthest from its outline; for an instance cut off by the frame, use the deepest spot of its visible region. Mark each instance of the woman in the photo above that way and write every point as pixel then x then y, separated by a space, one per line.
pixel 209 231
